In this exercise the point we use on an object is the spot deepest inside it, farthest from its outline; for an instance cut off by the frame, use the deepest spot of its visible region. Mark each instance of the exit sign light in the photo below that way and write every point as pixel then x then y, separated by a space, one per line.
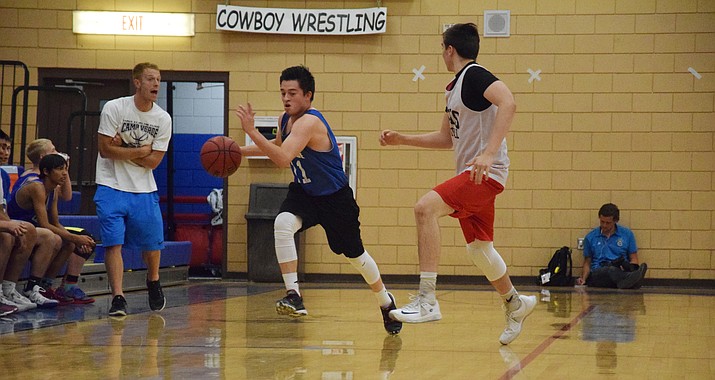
pixel 133 23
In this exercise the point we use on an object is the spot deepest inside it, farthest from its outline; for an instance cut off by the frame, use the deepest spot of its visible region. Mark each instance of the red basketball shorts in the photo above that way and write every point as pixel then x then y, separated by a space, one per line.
pixel 473 204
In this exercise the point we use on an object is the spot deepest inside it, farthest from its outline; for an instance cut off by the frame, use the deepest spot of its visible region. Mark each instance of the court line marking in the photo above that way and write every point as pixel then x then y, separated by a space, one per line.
pixel 513 371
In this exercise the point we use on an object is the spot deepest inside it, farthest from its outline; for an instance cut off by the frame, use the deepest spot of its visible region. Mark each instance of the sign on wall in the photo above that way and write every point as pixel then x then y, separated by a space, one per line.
pixel 267 126
pixel 133 23
pixel 348 152
pixel 301 21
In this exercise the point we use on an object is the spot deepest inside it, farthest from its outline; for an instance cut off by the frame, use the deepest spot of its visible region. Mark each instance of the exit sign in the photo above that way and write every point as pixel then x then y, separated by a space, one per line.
pixel 133 23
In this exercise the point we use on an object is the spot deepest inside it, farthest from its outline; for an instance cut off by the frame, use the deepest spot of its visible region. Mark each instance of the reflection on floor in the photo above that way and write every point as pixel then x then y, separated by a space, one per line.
pixel 230 330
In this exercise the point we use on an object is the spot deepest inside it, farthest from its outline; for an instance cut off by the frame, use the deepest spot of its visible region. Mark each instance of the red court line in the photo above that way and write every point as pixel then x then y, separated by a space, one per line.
pixel 513 371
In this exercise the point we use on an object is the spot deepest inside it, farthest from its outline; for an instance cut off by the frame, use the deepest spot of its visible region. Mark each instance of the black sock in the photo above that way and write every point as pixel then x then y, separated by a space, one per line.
pixel 31 282
pixel 70 279
pixel 46 283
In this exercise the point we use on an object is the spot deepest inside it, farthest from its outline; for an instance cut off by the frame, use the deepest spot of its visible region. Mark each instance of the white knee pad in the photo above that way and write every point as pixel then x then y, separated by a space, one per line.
pixel 367 267
pixel 284 228
pixel 486 258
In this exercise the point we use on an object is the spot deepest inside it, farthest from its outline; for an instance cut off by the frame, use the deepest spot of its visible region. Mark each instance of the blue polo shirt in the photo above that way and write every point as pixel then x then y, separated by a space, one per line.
pixel 603 250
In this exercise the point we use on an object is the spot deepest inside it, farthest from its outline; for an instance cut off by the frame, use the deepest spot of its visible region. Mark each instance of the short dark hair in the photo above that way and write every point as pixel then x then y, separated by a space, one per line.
pixel 609 209
pixel 305 79
pixel 51 162
pixel 464 38
pixel 4 136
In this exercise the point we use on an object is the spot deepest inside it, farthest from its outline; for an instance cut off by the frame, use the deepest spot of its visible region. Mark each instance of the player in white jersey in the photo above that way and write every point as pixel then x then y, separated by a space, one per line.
pixel 479 112
pixel 134 134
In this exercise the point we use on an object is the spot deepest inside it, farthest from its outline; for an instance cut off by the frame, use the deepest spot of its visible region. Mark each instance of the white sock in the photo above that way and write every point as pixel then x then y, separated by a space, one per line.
pixel 383 299
pixel 428 285
pixel 7 287
pixel 291 281
pixel 511 299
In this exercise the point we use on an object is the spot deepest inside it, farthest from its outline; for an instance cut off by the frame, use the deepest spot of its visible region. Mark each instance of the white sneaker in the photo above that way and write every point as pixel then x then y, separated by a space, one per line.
pixel 417 311
pixel 514 319
pixel 23 304
pixel 37 298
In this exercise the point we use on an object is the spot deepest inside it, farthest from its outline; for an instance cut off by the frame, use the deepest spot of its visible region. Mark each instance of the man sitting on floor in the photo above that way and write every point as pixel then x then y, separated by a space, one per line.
pixel 610 254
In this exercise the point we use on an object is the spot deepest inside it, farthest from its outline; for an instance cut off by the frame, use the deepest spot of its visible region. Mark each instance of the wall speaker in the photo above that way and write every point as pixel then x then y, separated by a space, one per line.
pixel 496 23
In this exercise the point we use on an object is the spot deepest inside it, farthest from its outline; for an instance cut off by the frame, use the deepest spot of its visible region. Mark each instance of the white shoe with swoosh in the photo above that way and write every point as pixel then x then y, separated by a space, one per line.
pixel 417 311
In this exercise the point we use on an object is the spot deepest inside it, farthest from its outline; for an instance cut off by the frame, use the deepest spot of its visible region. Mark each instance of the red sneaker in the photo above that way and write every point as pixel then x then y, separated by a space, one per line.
pixel 76 294
pixel 52 294
pixel 6 306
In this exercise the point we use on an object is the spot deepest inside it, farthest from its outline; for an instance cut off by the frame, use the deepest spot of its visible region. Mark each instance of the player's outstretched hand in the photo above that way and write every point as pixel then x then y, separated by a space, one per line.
pixel 247 117
pixel 388 137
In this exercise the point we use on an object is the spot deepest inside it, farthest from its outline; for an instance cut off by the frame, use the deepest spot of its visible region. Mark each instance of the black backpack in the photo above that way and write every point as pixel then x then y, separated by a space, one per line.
pixel 559 271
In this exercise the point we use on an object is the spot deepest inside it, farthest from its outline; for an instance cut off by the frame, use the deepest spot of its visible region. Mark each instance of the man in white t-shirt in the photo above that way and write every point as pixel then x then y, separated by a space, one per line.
pixel 479 112
pixel 134 134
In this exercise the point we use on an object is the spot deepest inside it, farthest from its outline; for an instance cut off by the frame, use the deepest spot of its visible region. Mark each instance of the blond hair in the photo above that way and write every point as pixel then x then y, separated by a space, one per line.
pixel 140 67
pixel 37 148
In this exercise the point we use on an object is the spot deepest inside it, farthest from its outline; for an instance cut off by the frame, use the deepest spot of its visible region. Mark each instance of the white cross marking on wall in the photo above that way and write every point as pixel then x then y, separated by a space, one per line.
pixel 418 73
pixel 695 73
pixel 534 75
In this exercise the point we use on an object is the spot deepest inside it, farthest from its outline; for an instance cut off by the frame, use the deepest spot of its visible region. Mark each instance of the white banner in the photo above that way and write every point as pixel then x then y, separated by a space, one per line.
pixel 301 21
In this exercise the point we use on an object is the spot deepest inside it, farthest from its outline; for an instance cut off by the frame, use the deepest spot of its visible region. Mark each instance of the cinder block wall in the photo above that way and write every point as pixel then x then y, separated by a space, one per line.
pixel 615 117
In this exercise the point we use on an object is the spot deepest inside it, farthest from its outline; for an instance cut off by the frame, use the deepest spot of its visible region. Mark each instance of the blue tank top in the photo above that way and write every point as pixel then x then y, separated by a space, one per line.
pixel 14 211
pixel 5 185
pixel 318 173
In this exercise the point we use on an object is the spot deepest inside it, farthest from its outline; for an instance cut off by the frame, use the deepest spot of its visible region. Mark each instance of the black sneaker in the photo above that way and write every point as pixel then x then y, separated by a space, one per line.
pixel 291 304
pixel 633 279
pixel 119 307
pixel 157 301
pixel 391 326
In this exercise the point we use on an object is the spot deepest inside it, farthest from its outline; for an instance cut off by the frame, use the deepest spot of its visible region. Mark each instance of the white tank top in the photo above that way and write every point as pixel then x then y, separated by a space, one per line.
pixel 472 129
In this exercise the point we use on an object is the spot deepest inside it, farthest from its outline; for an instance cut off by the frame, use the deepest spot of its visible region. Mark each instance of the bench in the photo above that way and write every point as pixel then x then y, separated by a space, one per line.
pixel 174 254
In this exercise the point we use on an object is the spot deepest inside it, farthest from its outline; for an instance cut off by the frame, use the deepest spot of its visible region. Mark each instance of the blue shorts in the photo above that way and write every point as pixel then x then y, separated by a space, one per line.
pixel 129 219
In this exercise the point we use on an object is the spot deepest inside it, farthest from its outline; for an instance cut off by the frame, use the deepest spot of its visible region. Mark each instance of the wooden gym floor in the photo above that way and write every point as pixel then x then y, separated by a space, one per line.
pixel 229 330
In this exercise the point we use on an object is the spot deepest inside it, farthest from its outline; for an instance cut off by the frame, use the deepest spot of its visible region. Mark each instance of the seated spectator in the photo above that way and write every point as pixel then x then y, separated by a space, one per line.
pixel 610 254
pixel 5 148
pixel 68 290
pixel 34 199
pixel 16 242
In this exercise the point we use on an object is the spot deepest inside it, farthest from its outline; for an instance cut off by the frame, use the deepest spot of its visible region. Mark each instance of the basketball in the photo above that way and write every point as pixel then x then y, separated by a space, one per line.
pixel 220 156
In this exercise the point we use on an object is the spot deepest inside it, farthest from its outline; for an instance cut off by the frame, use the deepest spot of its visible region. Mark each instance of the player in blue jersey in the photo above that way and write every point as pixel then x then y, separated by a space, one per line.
pixel 319 194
